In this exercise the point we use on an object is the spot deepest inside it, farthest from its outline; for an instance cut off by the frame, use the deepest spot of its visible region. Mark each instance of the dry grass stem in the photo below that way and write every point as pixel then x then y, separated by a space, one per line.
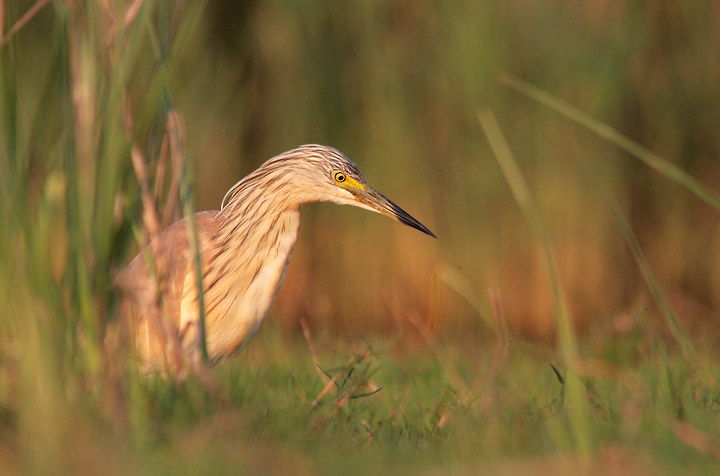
pixel 697 439
pixel 160 325
pixel 443 418
pixel 171 209
pixel 666 168
pixel 176 133
pixel 130 15
pixel 358 358
pixel 368 431
pixel 150 216
pixel 22 21
pixel 131 12
pixel 501 350
pixel 567 340
pixel 463 287
pixel 160 170
pixel 311 348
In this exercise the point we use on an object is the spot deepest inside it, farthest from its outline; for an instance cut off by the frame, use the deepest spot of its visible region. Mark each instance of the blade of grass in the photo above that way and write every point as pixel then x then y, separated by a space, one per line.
pixel 22 21
pixel 658 295
pixel 460 284
pixel 579 417
pixel 79 207
pixel 176 133
pixel 177 151
pixel 650 159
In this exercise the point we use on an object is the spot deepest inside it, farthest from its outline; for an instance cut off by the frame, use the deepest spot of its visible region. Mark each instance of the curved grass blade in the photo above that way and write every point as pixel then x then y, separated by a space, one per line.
pixel 658 295
pixel 650 159
pixel 579 417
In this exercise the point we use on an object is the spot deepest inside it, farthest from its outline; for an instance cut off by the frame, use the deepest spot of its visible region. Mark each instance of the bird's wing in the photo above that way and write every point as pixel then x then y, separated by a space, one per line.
pixel 169 255
pixel 170 260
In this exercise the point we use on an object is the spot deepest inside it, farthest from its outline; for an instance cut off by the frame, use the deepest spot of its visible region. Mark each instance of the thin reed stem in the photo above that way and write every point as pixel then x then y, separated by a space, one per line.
pixel 603 130
pixel 580 416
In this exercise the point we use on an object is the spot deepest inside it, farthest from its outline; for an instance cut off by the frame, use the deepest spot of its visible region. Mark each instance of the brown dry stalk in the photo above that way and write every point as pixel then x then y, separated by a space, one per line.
pixel 166 330
pixel 501 351
pixel 83 77
pixel 130 14
pixel 160 169
pixel 311 347
pixel 326 388
pixel 341 403
pixel 175 129
pixel 697 439
pixel 331 383
pixel 176 161
pixel 443 413
pixel 498 313
pixel 369 431
pixel 351 393
pixel 32 11
pixel 150 215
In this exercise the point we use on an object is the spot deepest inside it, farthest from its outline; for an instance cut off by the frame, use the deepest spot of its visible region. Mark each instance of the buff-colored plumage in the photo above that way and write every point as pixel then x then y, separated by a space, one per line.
pixel 245 249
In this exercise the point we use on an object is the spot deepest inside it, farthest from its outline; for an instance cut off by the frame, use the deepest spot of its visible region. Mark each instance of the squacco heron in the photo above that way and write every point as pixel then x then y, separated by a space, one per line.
pixel 244 249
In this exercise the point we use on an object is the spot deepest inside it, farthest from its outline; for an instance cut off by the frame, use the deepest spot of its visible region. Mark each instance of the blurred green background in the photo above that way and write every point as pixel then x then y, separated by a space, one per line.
pixel 395 85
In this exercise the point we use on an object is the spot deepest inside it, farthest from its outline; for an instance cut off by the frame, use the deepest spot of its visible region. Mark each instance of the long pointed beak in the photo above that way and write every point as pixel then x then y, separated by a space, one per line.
pixel 378 202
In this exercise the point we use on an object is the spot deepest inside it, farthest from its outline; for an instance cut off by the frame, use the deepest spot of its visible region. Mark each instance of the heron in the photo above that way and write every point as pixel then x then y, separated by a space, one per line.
pixel 244 249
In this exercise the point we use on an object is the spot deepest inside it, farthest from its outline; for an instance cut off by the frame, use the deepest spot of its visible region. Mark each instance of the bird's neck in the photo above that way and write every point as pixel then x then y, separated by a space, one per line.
pixel 258 205
pixel 254 241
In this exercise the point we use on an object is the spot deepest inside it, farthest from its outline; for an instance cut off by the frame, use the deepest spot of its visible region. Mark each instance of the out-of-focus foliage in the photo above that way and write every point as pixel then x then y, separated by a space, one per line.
pixel 396 85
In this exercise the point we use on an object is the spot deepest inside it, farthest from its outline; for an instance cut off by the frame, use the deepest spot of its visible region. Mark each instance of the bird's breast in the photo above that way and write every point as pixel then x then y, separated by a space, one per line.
pixel 244 294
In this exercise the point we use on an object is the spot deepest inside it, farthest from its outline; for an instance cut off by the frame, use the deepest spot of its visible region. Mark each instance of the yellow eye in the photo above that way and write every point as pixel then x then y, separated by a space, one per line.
pixel 340 177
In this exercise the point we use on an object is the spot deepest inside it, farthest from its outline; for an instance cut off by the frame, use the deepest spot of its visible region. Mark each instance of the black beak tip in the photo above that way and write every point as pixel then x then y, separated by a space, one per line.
pixel 427 232
pixel 383 205
pixel 411 222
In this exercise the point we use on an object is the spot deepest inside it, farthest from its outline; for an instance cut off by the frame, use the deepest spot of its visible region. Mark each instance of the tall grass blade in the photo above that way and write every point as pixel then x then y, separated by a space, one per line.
pixel 650 159
pixel 579 418
pixel 177 147
pixel 22 21
pixel 79 175
pixel 462 286
pixel 686 346
pixel 176 134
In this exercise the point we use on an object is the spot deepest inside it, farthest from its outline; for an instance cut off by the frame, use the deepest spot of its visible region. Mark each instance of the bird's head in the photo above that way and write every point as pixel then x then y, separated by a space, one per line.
pixel 314 173
pixel 333 177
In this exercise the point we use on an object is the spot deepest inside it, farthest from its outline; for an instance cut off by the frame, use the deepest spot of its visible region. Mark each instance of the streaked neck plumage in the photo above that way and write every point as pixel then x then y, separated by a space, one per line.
pixel 242 280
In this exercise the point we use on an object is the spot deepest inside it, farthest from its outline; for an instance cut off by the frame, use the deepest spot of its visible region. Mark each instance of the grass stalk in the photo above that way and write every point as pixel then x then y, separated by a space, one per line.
pixel 653 161
pixel 666 309
pixel 176 133
pixel 22 21
pixel 579 417
pixel 606 132
pixel 79 175
pixel 177 151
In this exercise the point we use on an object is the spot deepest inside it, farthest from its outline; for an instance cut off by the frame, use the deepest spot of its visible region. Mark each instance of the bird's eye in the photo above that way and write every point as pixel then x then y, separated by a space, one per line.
pixel 340 177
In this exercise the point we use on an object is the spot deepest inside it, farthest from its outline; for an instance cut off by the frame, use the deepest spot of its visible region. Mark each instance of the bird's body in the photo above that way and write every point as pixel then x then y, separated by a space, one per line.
pixel 244 249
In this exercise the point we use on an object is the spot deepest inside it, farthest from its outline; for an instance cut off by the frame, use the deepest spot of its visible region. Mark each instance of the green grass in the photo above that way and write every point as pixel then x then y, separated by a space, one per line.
pixel 567 341
pixel 266 423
